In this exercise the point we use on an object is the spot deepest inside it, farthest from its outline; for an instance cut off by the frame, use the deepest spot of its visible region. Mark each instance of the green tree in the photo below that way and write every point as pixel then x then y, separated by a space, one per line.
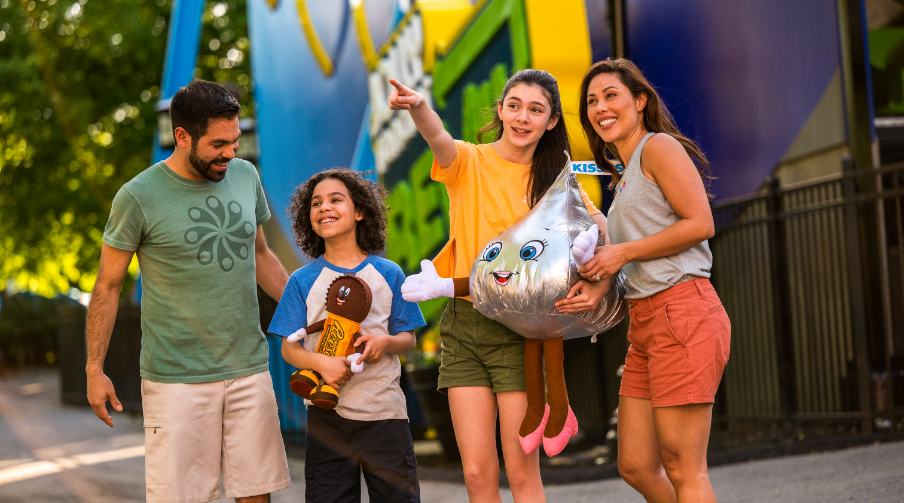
pixel 78 83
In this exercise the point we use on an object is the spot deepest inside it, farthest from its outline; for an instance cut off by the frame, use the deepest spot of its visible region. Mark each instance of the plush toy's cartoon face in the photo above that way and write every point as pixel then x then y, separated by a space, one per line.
pixel 522 272
pixel 498 259
pixel 349 297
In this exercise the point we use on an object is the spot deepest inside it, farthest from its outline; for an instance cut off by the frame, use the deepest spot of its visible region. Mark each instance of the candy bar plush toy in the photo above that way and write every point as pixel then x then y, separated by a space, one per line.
pixel 516 281
pixel 347 304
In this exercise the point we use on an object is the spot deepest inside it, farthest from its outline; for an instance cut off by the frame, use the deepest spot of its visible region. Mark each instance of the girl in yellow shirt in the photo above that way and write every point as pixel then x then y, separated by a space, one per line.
pixel 492 186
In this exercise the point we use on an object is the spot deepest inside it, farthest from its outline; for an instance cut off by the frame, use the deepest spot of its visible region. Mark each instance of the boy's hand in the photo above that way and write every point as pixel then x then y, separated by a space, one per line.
pixel 376 347
pixel 403 98
pixel 335 370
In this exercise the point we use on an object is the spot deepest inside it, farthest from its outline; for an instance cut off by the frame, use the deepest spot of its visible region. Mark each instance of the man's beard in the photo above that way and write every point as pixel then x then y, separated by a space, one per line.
pixel 205 168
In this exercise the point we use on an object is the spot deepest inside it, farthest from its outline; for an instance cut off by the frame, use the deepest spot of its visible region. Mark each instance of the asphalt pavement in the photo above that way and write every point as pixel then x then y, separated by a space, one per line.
pixel 50 452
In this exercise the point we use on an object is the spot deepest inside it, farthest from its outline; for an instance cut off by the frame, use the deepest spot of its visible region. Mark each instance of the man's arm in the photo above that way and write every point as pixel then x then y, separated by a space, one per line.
pixel 270 273
pixel 114 264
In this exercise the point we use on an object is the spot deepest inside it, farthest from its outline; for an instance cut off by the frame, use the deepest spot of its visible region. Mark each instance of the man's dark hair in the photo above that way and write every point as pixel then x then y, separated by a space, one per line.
pixel 368 197
pixel 195 105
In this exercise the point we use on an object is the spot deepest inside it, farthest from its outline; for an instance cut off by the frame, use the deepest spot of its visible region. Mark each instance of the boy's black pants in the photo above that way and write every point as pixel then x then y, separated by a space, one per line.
pixel 337 449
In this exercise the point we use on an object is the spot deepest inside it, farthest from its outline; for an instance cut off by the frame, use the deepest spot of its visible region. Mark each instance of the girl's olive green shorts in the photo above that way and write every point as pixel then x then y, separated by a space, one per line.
pixel 477 351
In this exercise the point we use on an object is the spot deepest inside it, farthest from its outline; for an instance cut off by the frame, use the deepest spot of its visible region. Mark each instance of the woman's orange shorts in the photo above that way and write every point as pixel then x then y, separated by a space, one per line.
pixel 680 341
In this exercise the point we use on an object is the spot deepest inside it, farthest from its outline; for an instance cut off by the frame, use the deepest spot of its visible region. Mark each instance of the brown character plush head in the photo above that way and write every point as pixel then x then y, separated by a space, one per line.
pixel 349 297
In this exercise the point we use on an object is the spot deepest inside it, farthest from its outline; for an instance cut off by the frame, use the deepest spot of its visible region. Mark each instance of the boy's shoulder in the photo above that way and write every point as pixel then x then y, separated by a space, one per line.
pixel 386 267
pixel 307 274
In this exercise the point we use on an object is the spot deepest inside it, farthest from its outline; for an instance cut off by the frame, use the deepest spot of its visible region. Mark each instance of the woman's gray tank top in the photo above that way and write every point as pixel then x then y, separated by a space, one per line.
pixel 640 210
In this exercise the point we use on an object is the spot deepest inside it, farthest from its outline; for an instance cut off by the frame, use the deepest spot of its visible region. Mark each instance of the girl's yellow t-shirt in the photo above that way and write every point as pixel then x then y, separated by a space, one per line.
pixel 487 194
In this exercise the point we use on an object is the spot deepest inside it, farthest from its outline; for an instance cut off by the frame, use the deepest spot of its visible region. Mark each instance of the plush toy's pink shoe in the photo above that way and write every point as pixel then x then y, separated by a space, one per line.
pixel 554 445
pixel 533 440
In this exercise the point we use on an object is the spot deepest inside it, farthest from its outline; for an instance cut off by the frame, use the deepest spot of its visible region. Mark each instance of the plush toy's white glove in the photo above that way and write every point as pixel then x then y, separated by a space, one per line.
pixel 584 244
pixel 427 285
pixel 356 367
pixel 298 335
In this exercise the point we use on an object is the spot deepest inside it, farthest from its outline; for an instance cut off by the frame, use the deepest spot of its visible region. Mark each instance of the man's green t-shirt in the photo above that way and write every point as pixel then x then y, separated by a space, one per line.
pixel 195 245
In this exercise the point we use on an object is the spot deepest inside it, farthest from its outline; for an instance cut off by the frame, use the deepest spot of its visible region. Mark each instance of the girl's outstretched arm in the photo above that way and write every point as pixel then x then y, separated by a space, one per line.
pixel 427 121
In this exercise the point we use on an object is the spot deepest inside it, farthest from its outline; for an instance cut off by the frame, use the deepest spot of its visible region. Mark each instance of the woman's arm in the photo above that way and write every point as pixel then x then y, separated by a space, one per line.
pixel 427 121
pixel 666 163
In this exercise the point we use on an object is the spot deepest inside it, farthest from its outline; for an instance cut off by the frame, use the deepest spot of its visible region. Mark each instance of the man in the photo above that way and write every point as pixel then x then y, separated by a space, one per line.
pixel 194 221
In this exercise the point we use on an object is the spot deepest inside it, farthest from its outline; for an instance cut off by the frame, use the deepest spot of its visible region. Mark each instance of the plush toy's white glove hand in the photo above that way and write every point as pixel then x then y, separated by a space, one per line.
pixel 584 244
pixel 427 285
pixel 356 367
pixel 298 335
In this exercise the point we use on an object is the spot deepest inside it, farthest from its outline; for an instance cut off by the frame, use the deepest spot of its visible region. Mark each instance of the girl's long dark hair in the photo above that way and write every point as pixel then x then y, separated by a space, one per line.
pixel 656 119
pixel 549 157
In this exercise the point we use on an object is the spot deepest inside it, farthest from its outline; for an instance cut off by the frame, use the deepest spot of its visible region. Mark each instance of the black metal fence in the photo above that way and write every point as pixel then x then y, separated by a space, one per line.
pixel 804 275
pixel 812 278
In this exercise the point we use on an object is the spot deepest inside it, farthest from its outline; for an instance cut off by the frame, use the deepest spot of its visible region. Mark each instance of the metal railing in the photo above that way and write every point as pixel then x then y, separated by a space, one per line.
pixel 803 274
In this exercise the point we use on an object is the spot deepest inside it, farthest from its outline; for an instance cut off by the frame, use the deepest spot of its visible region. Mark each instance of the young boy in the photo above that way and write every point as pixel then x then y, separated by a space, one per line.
pixel 340 218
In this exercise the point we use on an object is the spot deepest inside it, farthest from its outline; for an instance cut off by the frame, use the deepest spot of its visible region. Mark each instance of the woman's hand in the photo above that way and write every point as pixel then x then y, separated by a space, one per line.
pixel 584 296
pixel 376 347
pixel 606 261
pixel 403 98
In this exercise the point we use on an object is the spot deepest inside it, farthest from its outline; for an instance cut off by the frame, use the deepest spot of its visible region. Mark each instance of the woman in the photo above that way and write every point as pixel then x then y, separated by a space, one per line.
pixel 659 223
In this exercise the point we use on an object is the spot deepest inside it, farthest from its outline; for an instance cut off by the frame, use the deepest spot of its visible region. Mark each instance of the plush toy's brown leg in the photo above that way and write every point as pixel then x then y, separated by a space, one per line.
pixel 554 357
pixel 535 386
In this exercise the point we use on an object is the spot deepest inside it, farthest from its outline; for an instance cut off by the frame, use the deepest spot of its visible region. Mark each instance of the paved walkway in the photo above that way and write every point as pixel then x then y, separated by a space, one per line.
pixel 55 453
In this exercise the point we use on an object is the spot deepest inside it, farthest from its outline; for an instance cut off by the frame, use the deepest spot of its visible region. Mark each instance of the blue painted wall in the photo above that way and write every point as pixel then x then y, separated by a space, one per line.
pixel 740 77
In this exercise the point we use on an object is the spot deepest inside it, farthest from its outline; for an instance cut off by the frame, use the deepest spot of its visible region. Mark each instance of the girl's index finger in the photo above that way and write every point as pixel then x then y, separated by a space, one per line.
pixel 398 85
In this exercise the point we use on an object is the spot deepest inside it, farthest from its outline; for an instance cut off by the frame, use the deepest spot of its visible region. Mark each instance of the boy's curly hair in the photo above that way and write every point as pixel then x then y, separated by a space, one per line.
pixel 368 197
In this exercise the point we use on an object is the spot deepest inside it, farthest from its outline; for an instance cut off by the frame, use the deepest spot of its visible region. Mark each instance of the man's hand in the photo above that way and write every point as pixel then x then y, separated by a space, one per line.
pixel 376 347
pixel 427 285
pixel 584 296
pixel 335 370
pixel 100 389
pixel 403 98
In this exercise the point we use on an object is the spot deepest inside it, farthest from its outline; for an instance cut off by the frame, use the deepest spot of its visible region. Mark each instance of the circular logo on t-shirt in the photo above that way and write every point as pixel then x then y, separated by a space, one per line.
pixel 220 233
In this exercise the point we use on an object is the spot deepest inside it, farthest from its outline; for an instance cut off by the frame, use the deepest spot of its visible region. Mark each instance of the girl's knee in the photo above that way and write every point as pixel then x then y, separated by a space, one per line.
pixel 481 478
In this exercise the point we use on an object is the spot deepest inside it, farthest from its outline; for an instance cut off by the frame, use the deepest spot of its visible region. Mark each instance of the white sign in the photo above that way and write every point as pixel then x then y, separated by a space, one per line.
pixel 588 168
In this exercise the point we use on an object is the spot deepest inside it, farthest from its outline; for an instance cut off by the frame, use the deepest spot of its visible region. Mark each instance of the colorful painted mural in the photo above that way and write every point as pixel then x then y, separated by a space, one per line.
pixel 321 94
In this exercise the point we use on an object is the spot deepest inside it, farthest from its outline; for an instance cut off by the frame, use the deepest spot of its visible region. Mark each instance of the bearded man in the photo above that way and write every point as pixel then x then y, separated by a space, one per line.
pixel 194 222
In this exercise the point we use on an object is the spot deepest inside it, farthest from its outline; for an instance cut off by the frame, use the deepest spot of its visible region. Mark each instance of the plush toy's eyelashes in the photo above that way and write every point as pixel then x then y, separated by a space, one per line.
pixel 531 250
pixel 492 252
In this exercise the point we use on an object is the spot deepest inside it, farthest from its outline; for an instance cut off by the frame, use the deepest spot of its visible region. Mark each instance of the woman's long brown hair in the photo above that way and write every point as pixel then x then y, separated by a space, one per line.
pixel 549 157
pixel 656 119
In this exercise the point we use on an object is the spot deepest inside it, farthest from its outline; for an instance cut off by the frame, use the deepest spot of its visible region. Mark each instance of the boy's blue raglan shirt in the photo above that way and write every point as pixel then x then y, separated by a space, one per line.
pixel 374 393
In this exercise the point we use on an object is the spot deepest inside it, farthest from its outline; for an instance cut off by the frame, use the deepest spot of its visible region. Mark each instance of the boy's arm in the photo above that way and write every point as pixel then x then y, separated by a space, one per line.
pixel 426 120
pixel 335 370
pixel 380 344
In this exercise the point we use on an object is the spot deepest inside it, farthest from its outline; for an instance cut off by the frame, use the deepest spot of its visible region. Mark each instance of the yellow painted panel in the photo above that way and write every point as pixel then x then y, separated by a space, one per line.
pixel 442 20
pixel 560 44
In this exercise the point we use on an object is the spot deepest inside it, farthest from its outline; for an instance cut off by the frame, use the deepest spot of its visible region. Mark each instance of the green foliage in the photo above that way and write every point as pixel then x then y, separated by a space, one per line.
pixel 78 82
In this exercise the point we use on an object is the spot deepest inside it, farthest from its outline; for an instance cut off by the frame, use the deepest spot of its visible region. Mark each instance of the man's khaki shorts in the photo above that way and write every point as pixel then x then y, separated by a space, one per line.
pixel 193 431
